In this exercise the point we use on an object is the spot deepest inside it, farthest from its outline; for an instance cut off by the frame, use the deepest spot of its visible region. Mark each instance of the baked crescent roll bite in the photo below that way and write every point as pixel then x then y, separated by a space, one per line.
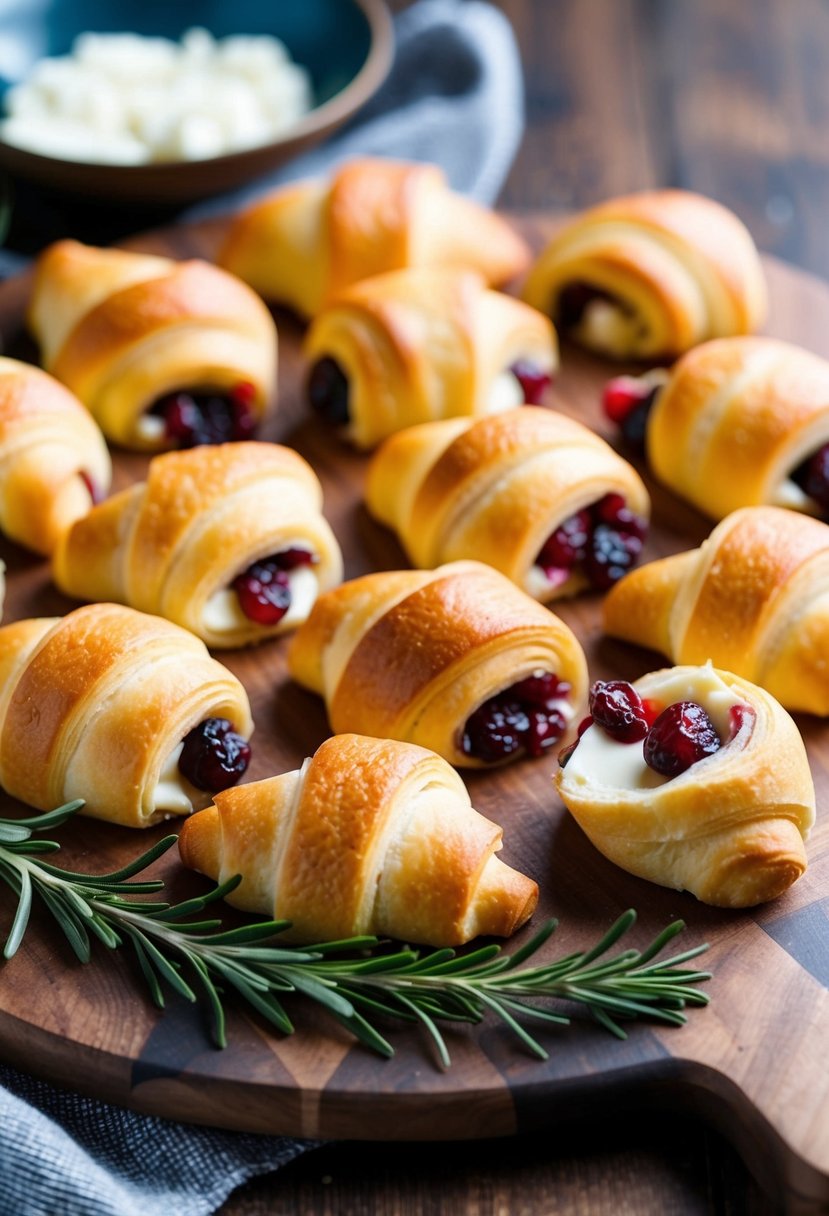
pixel 650 274
pixel 163 354
pixel 531 492
pixel 738 422
pixel 694 779
pixel 457 659
pixel 121 709
pixel 54 463
pixel 303 244
pixel 754 598
pixel 420 345
pixel 228 541
pixel 370 836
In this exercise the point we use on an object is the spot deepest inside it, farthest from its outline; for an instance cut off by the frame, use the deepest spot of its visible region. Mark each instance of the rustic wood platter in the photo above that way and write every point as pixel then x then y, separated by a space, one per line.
pixel 754 1062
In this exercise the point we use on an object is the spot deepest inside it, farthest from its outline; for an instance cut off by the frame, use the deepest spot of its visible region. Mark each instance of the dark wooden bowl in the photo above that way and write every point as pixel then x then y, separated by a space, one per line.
pixel 346 45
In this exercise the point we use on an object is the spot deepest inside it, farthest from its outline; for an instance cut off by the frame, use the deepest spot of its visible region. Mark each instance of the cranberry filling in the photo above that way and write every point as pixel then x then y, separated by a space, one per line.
pixel 192 419
pixel 94 490
pixel 214 756
pixel 533 380
pixel 328 392
pixel 264 589
pixel 603 540
pixel 681 735
pixel 526 717
pixel 627 401
pixel 738 716
pixel 574 300
pixel 617 707
pixel 813 477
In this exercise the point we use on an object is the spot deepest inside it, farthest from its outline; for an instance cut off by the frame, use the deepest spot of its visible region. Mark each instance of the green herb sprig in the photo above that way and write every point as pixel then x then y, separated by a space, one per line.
pixel 355 979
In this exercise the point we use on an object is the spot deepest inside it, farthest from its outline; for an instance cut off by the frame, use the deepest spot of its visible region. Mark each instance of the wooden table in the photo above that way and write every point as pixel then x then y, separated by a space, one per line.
pixel 731 98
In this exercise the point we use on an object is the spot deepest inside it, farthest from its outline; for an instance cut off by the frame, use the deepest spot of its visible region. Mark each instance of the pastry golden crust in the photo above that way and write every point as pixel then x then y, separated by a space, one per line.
pixel 730 829
pixel 425 344
pixel 122 330
pixel 753 599
pixel 412 654
pixel 651 274
pixel 735 419
pixel 52 457
pixel 305 243
pixel 370 836
pixel 495 489
pixel 173 545
pixel 94 704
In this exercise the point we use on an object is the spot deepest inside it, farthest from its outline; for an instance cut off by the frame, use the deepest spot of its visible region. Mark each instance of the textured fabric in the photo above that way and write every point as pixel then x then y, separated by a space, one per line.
pixel 454 97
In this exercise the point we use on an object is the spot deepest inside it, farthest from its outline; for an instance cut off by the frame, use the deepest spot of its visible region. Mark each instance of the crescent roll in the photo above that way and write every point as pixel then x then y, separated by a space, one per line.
pixel 742 422
pixel 302 245
pixel 419 345
pixel 53 460
pixel 370 836
pixel 227 541
pixel 512 490
pixel 754 598
pixel 455 659
pixel 121 709
pixel 730 827
pixel 162 353
pixel 650 274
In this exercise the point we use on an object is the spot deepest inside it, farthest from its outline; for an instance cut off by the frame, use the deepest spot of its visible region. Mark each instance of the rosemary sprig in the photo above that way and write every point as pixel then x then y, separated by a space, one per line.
pixel 355 980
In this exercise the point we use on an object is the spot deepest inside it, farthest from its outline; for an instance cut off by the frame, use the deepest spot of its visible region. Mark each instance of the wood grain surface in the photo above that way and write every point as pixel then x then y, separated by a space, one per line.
pixel 752 1064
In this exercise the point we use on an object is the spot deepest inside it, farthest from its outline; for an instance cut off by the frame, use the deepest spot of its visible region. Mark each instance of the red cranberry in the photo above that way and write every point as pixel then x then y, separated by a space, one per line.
pixel 533 380
pixel 193 419
pixel 681 735
pixel 627 401
pixel 738 716
pixel 328 391
pixel 566 547
pixel 214 756
pixel 617 707
pixel 613 510
pixel 264 589
pixel 584 725
pixel 525 717
pixel 94 490
pixel 289 559
pixel 813 477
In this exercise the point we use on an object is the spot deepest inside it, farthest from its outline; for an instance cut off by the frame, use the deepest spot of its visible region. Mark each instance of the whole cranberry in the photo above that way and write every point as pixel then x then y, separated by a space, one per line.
pixel 681 735
pixel 214 756
pixel 617 707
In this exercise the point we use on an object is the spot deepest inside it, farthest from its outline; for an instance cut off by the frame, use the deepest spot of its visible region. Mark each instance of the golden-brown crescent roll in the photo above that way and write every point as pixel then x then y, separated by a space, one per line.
pixel 113 706
pixel 730 827
pixel 457 659
pixel 305 243
pixel 737 424
pixel 650 274
pixel 498 489
pixel 754 599
pixel 53 459
pixel 128 331
pixel 228 541
pixel 419 345
pixel 370 836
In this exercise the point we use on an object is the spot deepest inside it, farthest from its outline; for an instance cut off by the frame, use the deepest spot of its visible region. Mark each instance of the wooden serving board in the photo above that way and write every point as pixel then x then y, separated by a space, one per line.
pixel 755 1062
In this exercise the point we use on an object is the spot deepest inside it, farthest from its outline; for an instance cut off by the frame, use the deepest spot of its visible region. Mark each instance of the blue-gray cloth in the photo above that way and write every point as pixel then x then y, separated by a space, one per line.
pixel 454 96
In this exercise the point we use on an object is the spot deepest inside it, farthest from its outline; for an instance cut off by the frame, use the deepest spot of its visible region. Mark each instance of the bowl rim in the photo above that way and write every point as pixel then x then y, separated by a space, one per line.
pixel 344 103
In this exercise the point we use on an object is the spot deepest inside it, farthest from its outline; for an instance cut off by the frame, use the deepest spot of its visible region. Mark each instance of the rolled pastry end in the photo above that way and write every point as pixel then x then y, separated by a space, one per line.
pixel 199 842
pixel 505 899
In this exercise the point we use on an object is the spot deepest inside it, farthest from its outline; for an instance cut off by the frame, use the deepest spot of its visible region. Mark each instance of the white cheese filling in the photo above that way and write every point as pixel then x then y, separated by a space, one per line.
pixel 605 326
pixel 223 613
pixel 505 393
pixel 170 793
pixel 599 760
pixel 151 428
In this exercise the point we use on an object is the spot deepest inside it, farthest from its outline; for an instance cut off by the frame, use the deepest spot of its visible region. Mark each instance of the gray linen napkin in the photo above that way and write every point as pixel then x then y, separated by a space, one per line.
pixel 454 97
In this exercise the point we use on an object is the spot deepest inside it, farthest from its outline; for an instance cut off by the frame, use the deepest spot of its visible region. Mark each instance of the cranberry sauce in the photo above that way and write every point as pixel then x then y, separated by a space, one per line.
pixel 627 401
pixel 534 380
pixel 672 738
pixel 264 589
pixel 813 478
pixel 213 756
pixel 328 392
pixel 602 541
pixel 526 718
pixel 195 418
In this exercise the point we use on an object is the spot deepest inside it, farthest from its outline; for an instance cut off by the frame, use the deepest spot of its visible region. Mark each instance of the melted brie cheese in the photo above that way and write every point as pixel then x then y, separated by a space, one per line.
pixel 223 614
pixel 170 793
